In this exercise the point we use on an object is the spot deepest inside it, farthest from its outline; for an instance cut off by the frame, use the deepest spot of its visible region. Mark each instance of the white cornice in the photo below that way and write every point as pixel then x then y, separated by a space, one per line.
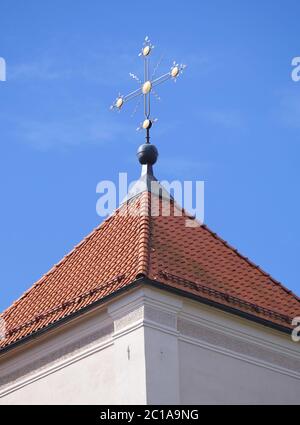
pixel 239 356
pixel 56 340
pixel 291 350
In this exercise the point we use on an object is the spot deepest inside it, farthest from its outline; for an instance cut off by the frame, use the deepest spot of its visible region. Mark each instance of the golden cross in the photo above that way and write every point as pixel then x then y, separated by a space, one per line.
pixel 147 86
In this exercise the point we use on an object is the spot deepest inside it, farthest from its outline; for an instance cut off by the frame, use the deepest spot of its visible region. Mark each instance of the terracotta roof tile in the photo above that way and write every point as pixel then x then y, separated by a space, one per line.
pixel 129 245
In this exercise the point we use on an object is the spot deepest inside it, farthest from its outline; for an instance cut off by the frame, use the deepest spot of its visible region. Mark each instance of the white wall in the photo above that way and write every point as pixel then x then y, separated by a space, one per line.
pixel 212 377
pixel 149 346
pixel 82 382
pixel 97 370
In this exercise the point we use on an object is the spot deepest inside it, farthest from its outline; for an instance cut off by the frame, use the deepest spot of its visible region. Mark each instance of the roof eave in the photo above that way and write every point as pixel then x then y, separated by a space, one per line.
pixel 223 307
pixel 72 316
pixel 137 282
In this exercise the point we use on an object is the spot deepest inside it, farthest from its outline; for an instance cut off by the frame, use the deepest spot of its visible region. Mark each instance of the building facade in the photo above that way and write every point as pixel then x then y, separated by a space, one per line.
pixel 151 309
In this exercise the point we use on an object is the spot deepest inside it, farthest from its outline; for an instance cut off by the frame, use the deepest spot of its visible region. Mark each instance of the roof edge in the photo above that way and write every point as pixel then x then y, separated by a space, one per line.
pixel 250 262
pixel 219 306
pixel 140 280
pixel 66 319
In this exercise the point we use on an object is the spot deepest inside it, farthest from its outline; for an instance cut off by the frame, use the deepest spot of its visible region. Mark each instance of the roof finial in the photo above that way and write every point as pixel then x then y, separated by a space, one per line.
pixel 147 153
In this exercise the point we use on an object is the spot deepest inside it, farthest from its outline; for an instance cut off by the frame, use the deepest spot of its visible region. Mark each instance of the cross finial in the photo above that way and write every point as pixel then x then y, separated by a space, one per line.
pixel 147 86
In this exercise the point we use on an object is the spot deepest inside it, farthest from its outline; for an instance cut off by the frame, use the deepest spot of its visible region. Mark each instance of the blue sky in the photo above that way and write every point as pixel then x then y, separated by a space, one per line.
pixel 233 120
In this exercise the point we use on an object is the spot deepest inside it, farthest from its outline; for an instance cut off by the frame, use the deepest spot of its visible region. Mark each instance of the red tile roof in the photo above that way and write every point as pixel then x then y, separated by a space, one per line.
pixel 163 249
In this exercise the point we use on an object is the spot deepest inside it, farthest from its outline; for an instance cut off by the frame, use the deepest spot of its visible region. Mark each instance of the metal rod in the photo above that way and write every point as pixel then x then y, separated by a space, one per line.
pixel 145 79
pixel 149 105
pixel 149 94
pixel 132 95
pixel 161 79
pixel 148 135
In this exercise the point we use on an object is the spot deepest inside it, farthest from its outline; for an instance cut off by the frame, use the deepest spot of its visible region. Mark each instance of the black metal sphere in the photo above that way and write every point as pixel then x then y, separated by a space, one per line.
pixel 147 154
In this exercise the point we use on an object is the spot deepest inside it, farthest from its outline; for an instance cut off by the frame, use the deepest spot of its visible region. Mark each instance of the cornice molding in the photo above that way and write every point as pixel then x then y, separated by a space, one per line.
pixel 222 342
pixel 60 364
pixel 40 362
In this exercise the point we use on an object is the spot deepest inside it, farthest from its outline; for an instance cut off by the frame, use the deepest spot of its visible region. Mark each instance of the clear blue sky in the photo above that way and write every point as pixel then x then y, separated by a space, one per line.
pixel 232 121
